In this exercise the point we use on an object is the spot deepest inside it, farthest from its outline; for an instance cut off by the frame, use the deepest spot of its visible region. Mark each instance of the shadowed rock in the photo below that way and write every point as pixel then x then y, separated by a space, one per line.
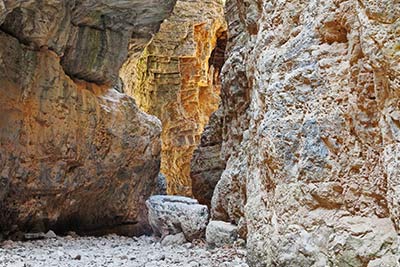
pixel 74 155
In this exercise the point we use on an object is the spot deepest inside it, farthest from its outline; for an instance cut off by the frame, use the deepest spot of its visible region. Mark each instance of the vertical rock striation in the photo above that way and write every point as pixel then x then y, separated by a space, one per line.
pixel 75 153
pixel 207 164
pixel 177 79
pixel 310 131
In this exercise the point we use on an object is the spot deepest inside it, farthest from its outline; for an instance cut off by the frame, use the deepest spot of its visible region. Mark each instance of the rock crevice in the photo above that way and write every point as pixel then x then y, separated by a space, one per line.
pixel 177 80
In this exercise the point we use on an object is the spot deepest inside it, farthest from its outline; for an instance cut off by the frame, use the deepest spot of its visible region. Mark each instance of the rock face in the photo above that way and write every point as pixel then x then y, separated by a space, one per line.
pixel 219 233
pixel 170 215
pixel 310 131
pixel 207 164
pixel 161 188
pixel 75 153
pixel 177 79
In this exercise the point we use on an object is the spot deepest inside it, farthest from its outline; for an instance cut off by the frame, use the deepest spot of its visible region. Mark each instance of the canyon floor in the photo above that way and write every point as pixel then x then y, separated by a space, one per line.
pixel 115 250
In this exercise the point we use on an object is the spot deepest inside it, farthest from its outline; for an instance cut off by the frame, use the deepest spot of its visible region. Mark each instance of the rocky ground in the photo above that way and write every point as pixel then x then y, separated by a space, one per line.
pixel 115 250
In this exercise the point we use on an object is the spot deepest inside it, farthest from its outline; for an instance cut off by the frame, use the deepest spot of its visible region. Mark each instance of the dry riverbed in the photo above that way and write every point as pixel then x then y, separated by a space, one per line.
pixel 115 250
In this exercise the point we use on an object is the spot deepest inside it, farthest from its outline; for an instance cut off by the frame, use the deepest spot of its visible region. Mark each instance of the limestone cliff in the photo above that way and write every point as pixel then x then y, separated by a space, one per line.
pixel 310 131
pixel 177 79
pixel 75 153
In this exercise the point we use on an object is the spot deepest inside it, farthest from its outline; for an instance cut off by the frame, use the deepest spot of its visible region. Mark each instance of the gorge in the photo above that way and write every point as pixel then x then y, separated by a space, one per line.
pixel 281 117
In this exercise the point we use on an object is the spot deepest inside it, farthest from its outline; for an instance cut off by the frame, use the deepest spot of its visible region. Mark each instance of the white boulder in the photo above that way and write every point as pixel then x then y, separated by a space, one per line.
pixel 219 233
pixel 170 215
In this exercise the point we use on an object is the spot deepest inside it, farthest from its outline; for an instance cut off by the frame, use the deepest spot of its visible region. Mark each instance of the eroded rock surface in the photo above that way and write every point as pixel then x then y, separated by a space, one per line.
pixel 207 163
pixel 219 233
pixel 170 215
pixel 177 79
pixel 74 153
pixel 310 131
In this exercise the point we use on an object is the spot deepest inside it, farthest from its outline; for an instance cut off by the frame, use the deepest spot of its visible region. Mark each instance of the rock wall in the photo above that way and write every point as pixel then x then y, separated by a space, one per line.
pixel 207 164
pixel 177 80
pixel 75 153
pixel 310 131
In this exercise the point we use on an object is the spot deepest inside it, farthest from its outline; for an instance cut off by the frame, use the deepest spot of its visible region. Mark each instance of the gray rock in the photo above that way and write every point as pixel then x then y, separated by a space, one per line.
pixel 207 164
pixel 176 214
pixel 171 240
pixel 50 235
pixel 193 264
pixel 34 236
pixel 161 188
pixel 219 233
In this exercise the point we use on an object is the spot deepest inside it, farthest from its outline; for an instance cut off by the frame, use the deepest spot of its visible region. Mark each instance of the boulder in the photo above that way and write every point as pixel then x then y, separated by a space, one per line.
pixel 40 235
pixel 34 236
pixel 219 233
pixel 50 235
pixel 170 240
pixel 175 214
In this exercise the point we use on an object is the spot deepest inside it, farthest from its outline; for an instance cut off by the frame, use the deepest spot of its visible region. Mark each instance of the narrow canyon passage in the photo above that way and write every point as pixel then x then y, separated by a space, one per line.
pixel 237 133
pixel 177 79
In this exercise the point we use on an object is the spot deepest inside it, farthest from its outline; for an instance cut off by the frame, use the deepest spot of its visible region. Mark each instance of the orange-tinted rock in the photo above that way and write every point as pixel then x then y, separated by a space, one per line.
pixel 74 155
pixel 177 80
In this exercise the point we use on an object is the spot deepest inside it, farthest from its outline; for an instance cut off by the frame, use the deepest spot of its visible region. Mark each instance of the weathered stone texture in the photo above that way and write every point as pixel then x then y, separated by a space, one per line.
pixel 310 131
pixel 170 215
pixel 177 79
pixel 207 164
pixel 219 233
pixel 90 36
pixel 74 154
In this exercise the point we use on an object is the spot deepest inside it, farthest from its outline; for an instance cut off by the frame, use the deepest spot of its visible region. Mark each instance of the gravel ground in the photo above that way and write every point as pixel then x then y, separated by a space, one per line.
pixel 116 251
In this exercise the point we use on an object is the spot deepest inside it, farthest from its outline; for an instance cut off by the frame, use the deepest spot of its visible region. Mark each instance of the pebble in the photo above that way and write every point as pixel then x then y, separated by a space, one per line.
pixel 110 251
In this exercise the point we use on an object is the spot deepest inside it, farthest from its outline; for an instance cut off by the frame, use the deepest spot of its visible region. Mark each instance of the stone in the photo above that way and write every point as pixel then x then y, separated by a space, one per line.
pixel 207 164
pixel 219 233
pixel 76 153
pixel 72 234
pixel 173 240
pixel 50 235
pixel 309 108
pixel 194 264
pixel 384 262
pixel 114 251
pixel 170 215
pixel 177 80
pixel 7 244
pixel 78 257
pixel 34 236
